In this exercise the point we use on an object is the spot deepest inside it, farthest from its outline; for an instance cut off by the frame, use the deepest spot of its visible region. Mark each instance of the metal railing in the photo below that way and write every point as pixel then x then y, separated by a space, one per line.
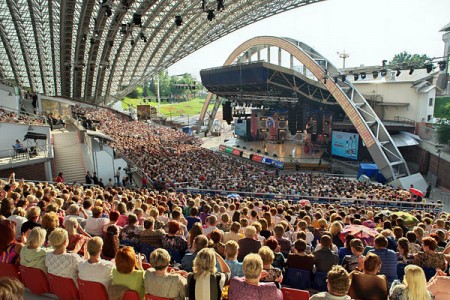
pixel 437 207
pixel 12 155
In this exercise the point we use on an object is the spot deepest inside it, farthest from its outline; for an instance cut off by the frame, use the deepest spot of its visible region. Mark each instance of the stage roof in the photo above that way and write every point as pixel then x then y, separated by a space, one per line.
pixel 98 51
pixel 262 81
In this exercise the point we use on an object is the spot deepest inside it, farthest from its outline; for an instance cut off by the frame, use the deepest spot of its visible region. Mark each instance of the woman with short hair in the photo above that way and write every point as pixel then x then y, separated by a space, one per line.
pixel 205 283
pixel 249 287
pixel 172 241
pixel 429 258
pixel 161 283
pixel 32 255
pixel 273 274
pixel 414 286
pixel 95 269
pixel 128 271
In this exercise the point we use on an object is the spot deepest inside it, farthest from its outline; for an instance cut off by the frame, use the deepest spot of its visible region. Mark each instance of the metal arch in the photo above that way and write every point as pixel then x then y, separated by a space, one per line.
pixel 372 131
pixel 257 10
pixel 67 9
pixel 56 54
pixel 11 57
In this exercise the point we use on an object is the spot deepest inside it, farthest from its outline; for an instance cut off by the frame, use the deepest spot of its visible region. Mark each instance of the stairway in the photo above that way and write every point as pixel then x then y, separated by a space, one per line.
pixel 68 157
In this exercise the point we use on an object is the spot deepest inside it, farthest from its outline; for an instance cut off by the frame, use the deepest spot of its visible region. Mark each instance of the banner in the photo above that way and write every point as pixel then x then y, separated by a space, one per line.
pixel 229 150
pixel 222 148
pixel 236 152
pixel 345 144
pixel 257 158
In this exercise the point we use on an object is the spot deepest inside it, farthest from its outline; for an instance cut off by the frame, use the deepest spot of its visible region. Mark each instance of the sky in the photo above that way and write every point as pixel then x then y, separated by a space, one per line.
pixel 368 30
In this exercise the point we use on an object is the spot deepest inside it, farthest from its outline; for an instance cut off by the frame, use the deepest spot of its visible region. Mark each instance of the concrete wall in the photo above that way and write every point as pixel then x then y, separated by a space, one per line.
pixel 7 101
pixel 32 172
pixel 9 132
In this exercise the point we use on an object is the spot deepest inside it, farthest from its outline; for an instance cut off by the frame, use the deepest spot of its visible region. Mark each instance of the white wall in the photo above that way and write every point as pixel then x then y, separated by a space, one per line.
pixel 9 132
pixel 11 102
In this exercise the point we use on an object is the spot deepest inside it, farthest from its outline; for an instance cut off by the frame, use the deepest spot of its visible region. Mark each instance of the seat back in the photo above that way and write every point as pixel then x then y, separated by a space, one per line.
pixel 9 270
pixel 175 255
pixel 147 250
pixel 92 290
pixel 151 297
pixel 64 288
pixel 35 280
pixel 146 266
pixel 401 271
pixel 299 279
pixel 294 294
pixel 320 281
pixel 429 273
pixel 131 295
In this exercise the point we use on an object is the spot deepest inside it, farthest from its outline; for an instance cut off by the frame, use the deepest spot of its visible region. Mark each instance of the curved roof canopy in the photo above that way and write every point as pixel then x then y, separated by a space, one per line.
pixel 99 50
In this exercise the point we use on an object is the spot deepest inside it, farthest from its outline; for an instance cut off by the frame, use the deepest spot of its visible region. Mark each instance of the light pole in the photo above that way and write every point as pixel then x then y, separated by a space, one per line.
pixel 344 56
pixel 437 169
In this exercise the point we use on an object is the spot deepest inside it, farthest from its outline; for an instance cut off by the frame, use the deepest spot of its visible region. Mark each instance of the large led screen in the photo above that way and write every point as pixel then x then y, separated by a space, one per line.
pixel 345 144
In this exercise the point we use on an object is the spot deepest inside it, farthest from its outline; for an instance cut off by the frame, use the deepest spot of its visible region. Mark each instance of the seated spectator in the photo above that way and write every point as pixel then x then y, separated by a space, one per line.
pixel 388 258
pixel 171 241
pixel 18 146
pixel 216 242
pixel 413 243
pixel 338 283
pixel 32 255
pixel 414 286
pixel 224 224
pixel 195 231
pixel 49 222
pixel 302 226
pixel 157 279
pixel 128 271
pixel 299 259
pixel 200 242
pixel 367 284
pixel 335 230
pixel 33 214
pixel 439 286
pixel 350 262
pixel 96 222
pixel 231 252
pixel 113 218
pixel 192 218
pixel 211 222
pixel 429 258
pixel 403 255
pixel 347 249
pixel 111 242
pixel 233 234
pixel 150 236
pixel 285 244
pixel 249 287
pixel 18 217
pixel 59 262
pixel 95 269
pixel 279 260
pixel 74 212
pixel 265 226
pixel 76 240
pixel 11 289
pixel 130 232
pixel 272 274
pixel 324 259
pixel 199 285
pixel 248 244
pixel 9 247
pixel 123 217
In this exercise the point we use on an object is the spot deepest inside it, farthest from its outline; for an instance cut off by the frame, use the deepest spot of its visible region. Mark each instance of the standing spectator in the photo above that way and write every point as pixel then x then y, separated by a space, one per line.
pixel 117 176
pixel 388 258
pixel 338 283
pixel 324 259
pixel 95 178
pixel 248 244
pixel 60 178
pixel 88 177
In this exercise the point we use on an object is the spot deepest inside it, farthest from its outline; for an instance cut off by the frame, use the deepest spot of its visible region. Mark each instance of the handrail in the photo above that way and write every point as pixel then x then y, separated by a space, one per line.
pixel 320 199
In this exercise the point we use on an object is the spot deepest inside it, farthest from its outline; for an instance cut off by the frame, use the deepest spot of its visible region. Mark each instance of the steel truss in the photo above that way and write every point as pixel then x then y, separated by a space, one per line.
pixel 73 48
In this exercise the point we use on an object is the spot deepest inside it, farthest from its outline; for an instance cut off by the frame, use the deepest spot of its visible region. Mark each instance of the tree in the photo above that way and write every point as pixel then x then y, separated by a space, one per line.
pixel 443 132
pixel 406 59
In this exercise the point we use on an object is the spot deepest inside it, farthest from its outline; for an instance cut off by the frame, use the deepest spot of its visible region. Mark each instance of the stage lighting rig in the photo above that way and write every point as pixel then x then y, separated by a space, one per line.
pixel 211 15
pixel 411 70
pixel 429 68
pixel 398 72
pixel 143 37
pixel 343 77
pixel 178 21
pixel 375 74
pixel 356 76
pixel 108 11
pixel 383 72
pixel 363 75
pixel 137 19
pixel 442 65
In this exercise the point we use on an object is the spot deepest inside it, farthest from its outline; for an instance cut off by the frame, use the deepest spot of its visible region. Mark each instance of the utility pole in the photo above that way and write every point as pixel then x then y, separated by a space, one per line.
pixel 344 56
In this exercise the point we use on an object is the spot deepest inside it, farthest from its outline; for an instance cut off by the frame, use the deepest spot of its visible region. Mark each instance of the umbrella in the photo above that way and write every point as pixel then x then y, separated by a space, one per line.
pixel 409 219
pixel 304 202
pixel 416 192
pixel 384 213
pixel 360 231
pixel 370 224
pixel 364 178
pixel 234 196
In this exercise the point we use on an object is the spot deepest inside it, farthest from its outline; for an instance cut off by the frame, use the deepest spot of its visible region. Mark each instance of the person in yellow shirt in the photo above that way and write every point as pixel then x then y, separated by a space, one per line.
pixel 128 271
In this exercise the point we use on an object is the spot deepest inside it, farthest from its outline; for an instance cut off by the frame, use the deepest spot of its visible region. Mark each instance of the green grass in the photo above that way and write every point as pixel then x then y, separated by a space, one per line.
pixel 442 107
pixel 192 107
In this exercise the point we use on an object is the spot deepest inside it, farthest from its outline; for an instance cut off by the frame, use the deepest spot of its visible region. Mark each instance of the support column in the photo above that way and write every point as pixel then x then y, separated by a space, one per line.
pixel 48 170
pixel 279 56
pixel 268 54
pixel 292 62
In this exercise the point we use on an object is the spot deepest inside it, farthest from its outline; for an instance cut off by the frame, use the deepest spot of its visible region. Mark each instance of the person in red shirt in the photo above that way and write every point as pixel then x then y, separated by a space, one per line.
pixel 60 177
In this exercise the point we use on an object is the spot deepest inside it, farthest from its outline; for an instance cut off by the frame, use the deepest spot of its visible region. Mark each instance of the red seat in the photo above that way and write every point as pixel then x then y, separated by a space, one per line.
pixel 92 290
pixel 9 270
pixel 131 295
pixel 146 266
pixel 35 280
pixel 294 294
pixel 63 287
pixel 151 297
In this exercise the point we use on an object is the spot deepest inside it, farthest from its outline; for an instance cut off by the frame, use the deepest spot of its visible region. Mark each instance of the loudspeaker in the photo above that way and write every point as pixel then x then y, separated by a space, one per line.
pixel 282 124
pixel 262 123
pixel 292 120
pixel 320 123
pixel 227 114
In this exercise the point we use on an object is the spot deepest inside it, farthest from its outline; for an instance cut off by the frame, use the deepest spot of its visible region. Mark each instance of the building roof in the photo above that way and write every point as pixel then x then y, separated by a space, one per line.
pixel 445 28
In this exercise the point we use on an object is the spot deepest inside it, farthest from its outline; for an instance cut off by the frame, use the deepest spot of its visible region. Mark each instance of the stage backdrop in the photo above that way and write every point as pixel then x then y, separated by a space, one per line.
pixel 345 144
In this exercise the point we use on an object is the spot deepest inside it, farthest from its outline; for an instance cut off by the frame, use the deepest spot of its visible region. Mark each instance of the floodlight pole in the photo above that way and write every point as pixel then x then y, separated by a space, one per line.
pixel 344 56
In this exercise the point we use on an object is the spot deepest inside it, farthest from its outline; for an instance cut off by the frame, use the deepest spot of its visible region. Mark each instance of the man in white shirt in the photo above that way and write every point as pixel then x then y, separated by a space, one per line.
pixel 96 269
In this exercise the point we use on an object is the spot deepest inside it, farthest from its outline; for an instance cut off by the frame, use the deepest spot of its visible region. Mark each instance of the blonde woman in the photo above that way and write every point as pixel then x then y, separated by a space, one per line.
pixel 33 254
pixel 414 286
pixel 199 282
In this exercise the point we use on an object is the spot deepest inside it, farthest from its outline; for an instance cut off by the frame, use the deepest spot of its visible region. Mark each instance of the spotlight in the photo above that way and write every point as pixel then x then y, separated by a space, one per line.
pixel 343 77
pixel 429 68
pixel 84 37
pixel 411 70
pixel 384 63
pixel 356 76
pixel 108 11
pixel 204 5
pixel 398 72
pixel 132 42
pixel 137 19
pixel 178 21
pixel 143 37
pixel 324 80
pixel 442 65
pixel 123 28
pixel 335 78
pixel 92 41
pixel 383 72
pixel 363 75
pixel 375 74
pixel 220 5
pixel 211 15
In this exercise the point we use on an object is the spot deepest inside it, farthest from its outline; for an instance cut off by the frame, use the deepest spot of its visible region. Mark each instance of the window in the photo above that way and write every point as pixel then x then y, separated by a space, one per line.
pixel 430 102
pixel 429 118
